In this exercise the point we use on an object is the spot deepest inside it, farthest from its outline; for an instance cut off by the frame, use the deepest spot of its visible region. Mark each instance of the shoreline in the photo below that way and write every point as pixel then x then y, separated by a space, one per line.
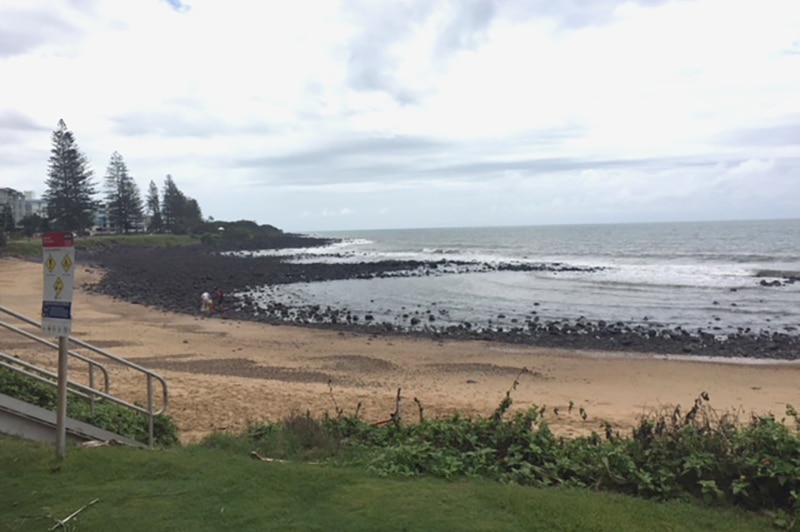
pixel 173 278
pixel 227 374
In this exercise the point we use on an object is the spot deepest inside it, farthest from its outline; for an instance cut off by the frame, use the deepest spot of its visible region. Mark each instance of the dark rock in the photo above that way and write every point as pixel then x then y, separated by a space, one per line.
pixel 172 279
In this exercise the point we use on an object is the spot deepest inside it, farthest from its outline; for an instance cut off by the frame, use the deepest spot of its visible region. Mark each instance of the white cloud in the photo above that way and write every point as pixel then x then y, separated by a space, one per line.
pixel 303 114
pixel 754 166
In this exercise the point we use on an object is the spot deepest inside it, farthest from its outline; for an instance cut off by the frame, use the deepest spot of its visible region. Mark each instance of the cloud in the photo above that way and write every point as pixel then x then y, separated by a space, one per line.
pixel 373 59
pixel 178 6
pixel 793 49
pixel 465 26
pixel 754 167
pixel 573 14
pixel 421 112
pixel 24 29
pixel 13 120
pixel 168 123
pixel 16 129
pixel 432 31
pixel 778 135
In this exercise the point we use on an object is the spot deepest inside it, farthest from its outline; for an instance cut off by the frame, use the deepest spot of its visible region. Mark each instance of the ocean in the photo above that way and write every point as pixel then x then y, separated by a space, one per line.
pixel 713 276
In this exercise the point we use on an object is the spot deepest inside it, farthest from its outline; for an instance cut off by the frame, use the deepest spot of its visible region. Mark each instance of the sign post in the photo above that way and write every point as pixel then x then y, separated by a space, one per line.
pixel 58 254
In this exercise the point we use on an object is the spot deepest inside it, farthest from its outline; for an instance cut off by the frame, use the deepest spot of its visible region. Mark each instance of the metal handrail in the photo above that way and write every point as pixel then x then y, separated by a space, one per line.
pixel 9 362
pixel 74 387
pixel 151 376
pixel 92 364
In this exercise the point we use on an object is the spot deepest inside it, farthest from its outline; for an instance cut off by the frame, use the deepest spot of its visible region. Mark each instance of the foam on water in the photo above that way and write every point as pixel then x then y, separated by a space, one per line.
pixel 695 275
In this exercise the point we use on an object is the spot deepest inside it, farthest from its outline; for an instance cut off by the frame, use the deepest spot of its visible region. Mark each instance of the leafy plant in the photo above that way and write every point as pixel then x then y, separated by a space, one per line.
pixel 105 415
pixel 717 458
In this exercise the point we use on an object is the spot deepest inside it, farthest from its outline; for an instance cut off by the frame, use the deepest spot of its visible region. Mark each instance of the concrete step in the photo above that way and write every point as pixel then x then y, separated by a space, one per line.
pixel 25 420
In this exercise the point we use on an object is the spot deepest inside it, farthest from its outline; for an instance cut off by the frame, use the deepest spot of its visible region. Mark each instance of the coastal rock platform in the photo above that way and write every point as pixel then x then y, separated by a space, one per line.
pixel 173 278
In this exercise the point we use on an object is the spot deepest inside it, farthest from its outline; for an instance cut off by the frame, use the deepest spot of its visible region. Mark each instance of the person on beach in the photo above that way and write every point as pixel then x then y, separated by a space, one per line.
pixel 206 304
pixel 219 297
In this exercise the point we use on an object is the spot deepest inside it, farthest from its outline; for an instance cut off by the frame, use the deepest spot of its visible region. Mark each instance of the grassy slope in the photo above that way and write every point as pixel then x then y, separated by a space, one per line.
pixel 197 488
pixel 32 247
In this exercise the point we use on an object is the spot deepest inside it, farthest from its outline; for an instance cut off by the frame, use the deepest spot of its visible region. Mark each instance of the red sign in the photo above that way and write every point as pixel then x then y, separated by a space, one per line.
pixel 58 240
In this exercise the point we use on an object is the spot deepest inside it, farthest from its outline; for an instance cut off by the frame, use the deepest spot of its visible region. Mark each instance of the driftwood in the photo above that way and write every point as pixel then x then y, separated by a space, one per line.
pixel 394 417
pixel 421 410
pixel 63 522
pixel 396 414
pixel 255 456
pixel 338 410
pixel 101 443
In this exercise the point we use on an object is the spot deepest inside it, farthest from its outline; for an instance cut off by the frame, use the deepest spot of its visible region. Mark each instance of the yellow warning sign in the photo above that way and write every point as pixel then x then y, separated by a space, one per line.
pixel 50 263
pixel 66 263
pixel 58 286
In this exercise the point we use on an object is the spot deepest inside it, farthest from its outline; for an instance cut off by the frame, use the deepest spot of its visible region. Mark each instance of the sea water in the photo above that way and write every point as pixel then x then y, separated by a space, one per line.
pixel 694 275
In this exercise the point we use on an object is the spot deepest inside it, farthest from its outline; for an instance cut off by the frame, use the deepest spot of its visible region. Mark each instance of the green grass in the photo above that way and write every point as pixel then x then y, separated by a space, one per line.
pixel 159 240
pixel 32 247
pixel 25 247
pixel 201 488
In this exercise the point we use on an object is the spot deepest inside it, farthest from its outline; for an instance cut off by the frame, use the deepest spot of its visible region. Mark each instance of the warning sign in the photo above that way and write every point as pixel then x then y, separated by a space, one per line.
pixel 66 262
pixel 58 259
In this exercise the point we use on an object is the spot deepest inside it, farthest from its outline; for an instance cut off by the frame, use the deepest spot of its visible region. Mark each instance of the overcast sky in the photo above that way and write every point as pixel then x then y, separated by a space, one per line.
pixel 316 114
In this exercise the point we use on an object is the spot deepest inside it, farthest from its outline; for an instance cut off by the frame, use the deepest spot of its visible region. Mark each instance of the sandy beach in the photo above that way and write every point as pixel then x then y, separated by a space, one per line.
pixel 225 374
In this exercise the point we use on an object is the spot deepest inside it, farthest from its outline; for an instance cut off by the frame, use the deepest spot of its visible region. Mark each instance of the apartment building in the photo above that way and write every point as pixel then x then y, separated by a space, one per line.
pixel 16 199
pixel 34 205
pixel 22 203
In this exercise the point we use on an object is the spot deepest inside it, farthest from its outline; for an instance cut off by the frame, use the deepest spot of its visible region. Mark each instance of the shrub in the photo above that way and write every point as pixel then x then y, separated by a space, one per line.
pixel 714 457
pixel 106 415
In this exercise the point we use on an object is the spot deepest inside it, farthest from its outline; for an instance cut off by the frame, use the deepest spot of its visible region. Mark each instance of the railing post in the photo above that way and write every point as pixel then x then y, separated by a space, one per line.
pixel 91 385
pixel 61 410
pixel 150 410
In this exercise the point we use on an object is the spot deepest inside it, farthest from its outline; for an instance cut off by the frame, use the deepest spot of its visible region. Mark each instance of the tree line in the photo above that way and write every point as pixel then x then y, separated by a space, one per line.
pixel 71 196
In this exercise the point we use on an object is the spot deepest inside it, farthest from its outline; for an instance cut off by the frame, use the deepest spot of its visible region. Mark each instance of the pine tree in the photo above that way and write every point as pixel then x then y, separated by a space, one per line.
pixel 172 206
pixel 32 224
pixel 180 214
pixel 70 188
pixel 192 216
pixel 154 208
pixel 7 218
pixel 123 201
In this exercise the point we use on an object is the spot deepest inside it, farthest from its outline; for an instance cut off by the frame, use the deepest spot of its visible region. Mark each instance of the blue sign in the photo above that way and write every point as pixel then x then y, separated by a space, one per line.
pixel 57 310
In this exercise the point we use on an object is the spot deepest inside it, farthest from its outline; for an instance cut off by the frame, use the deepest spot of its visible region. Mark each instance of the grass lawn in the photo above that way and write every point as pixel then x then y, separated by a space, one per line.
pixel 32 247
pixel 200 488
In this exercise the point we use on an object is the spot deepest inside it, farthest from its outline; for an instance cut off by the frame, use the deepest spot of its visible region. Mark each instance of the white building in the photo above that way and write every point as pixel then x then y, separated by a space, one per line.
pixel 34 206
pixel 16 199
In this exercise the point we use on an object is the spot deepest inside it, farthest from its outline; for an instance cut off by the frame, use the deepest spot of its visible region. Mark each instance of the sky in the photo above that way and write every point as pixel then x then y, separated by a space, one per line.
pixel 316 115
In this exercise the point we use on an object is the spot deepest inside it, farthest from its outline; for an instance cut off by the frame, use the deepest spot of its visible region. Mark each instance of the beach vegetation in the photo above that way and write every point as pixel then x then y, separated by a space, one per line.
pixel 163 240
pixel 679 469
pixel 103 414
pixel 32 247
pixel 236 235
pixel 21 247
pixel 716 459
